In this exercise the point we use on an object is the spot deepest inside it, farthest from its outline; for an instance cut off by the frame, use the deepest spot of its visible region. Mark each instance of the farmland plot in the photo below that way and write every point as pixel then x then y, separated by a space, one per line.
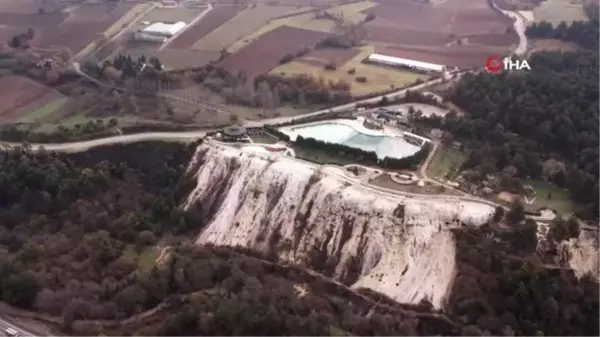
pixel 76 31
pixel 329 56
pixel 232 35
pixel 349 13
pixel 184 14
pixel 555 11
pixel 266 53
pixel 18 92
pixel 463 57
pixel 378 78
pixel 411 23
pixel 213 19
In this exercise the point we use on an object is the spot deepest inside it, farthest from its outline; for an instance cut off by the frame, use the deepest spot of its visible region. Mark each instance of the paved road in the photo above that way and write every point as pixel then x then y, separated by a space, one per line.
pixel 22 331
pixel 348 106
pixel 121 139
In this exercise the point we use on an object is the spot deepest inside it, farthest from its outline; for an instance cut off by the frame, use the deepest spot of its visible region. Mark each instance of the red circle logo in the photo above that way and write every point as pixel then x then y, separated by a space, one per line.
pixel 493 64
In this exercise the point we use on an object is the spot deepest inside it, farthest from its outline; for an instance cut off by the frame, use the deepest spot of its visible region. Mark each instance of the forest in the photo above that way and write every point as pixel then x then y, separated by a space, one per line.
pixel 529 122
pixel 70 226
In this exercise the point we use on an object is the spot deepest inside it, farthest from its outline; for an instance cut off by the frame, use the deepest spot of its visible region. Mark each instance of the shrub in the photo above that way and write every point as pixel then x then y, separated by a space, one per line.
pixel 352 71
pixel 361 79
pixel 287 58
pixel 330 66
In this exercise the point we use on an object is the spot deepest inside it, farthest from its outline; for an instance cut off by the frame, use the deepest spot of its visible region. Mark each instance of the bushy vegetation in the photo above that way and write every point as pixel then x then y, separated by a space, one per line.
pixel 499 293
pixel 271 91
pixel 12 133
pixel 240 292
pixel 67 224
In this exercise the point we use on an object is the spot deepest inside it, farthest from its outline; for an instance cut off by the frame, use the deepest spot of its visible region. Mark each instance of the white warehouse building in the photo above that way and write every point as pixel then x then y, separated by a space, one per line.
pixel 159 31
pixel 402 62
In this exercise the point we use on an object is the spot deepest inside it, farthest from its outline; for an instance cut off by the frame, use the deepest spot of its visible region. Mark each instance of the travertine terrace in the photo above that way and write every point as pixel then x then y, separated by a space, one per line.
pixel 397 245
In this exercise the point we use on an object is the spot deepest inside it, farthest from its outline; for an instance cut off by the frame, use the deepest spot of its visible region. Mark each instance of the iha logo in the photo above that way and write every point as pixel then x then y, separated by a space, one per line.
pixel 495 64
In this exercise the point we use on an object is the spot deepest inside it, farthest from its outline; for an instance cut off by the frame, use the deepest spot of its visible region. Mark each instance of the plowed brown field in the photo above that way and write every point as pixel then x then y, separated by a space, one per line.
pixel 213 20
pixel 266 52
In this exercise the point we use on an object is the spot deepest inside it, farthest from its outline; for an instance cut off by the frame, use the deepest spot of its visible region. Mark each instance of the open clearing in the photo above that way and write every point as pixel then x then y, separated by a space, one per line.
pixel 446 161
pixel 349 13
pixel 379 78
pixel 553 45
pixel 144 259
pixel 265 53
pixel 40 113
pixel 550 196
pixel 18 92
pixel 555 11
pixel 324 56
pixel 163 14
pixel 264 139
pixel 242 24
pixel 212 20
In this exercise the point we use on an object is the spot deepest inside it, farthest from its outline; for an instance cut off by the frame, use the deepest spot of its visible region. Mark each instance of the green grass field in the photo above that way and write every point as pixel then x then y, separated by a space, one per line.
pixel 145 259
pixel 44 111
pixel 264 139
pixel 550 196
pixel 445 161
pixel 321 157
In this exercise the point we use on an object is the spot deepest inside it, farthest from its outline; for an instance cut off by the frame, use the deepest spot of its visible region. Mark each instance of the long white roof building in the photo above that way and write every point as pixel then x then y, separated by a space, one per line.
pixel 164 29
pixel 398 61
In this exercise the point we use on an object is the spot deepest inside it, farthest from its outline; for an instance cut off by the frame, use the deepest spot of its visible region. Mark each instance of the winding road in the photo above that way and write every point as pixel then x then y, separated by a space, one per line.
pixel 520 27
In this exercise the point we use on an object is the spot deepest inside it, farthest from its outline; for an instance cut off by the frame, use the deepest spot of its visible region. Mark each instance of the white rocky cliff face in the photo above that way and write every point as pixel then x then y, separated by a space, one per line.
pixel 399 246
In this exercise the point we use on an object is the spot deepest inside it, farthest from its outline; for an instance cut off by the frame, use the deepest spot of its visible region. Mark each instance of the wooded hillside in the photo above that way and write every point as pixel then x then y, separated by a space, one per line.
pixel 524 119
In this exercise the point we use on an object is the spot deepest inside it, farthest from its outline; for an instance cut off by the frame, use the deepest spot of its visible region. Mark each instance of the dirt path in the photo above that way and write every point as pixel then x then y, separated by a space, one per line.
pixel 164 254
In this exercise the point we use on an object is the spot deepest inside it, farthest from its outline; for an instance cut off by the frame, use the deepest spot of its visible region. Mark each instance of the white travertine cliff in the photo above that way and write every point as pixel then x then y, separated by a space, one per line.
pixel 399 246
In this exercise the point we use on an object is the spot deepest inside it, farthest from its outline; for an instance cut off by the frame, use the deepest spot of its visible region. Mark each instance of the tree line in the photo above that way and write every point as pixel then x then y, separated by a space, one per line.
pixel 585 33
pixel 411 162
pixel 271 91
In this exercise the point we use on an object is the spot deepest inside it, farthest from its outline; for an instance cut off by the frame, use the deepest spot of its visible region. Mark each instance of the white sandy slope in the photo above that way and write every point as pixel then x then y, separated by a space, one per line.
pixel 583 254
pixel 282 205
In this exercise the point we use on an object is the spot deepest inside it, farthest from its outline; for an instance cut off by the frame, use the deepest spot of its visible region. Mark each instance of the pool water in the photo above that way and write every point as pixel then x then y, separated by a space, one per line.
pixel 382 145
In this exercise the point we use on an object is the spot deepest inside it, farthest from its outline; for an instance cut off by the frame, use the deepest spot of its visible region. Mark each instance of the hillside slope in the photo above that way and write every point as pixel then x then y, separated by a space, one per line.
pixel 399 246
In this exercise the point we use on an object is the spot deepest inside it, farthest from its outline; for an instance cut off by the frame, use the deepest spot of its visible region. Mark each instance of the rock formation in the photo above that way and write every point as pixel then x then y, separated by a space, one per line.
pixel 398 245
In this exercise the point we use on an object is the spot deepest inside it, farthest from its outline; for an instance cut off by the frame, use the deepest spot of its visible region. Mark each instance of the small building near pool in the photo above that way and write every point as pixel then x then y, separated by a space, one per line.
pixel 234 132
